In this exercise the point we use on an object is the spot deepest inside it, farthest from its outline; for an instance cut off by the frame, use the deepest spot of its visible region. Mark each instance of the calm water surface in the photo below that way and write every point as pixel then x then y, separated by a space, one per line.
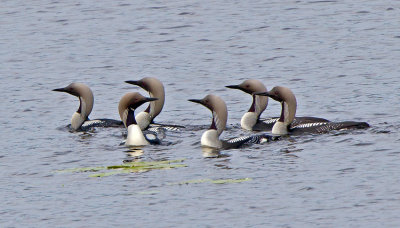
pixel 341 59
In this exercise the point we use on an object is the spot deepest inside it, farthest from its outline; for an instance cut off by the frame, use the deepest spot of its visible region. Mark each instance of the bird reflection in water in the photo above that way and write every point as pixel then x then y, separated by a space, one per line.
pixel 135 151
pixel 210 152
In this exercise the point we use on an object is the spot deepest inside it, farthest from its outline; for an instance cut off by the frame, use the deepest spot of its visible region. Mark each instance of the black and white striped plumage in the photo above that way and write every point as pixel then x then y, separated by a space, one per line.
pixel 287 121
pixel 80 119
pixel 320 128
pixel 210 138
pixel 251 120
pixel 166 127
pixel 267 124
pixel 89 124
pixel 249 140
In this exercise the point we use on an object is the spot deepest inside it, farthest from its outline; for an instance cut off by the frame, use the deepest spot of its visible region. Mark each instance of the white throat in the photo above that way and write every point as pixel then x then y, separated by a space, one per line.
pixel 143 119
pixel 135 136
pixel 77 120
pixel 210 138
pixel 249 119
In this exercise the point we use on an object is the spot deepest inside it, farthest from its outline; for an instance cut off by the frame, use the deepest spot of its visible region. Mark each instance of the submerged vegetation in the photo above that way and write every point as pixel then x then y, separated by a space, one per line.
pixel 142 166
pixel 129 167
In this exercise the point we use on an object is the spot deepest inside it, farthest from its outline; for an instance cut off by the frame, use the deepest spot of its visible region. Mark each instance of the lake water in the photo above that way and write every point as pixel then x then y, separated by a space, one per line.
pixel 340 58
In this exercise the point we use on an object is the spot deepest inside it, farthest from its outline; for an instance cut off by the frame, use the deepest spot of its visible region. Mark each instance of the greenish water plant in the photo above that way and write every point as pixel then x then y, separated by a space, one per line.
pixel 129 167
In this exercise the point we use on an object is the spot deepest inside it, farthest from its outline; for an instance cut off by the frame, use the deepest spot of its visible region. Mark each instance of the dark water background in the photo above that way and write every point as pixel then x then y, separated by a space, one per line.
pixel 341 59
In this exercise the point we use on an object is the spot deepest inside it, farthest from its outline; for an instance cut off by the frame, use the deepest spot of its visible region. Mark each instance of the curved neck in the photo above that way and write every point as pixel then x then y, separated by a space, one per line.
pixel 128 117
pixel 82 114
pixel 287 116
pixel 85 105
pixel 259 104
pixel 155 107
pixel 143 119
pixel 218 122
pixel 288 113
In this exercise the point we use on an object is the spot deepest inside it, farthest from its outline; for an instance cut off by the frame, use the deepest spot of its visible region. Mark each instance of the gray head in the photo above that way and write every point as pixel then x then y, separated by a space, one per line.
pixel 127 105
pixel 218 109
pixel 84 94
pixel 249 86
pixel 252 86
pixel 155 89
pixel 283 95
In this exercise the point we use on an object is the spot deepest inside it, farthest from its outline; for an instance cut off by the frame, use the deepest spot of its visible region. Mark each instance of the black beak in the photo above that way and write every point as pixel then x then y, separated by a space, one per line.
pixel 151 98
pixel 196 101
pixel 138 83
pixel 144 100
pixel 267 94
pixel 60 90
pixel 233 87
pixel 262 94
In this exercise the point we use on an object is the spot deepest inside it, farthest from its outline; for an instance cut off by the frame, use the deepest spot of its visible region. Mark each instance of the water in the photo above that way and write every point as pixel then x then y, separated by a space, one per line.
pixel 339 57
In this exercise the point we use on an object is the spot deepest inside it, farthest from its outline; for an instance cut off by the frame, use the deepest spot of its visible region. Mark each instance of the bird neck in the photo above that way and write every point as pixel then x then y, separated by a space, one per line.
pixel 258 105
pixel 288 113
pixel 77 120
pixel 85 106
pixel 143 119
pixel 218 122
pixel 155 107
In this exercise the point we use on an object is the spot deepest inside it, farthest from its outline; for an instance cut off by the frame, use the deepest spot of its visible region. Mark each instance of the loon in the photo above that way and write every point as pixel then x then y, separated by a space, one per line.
pixel 155 88
pixel 289 104
pixel 126 108
pixel 210 138
pixel 251 119
pixel 80 120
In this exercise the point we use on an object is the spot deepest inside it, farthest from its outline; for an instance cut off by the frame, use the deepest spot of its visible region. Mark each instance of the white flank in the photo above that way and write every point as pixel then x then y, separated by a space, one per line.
pixel 135 136
pixel 248 120
pixel 210 139
pixel 280 128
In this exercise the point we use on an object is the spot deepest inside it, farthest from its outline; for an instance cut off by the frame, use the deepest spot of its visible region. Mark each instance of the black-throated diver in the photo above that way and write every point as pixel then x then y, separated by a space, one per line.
pixel 155 88
pixel 289 105
pixel 126 108
pixel 251 119
pixel 80 119
pixel 210 138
